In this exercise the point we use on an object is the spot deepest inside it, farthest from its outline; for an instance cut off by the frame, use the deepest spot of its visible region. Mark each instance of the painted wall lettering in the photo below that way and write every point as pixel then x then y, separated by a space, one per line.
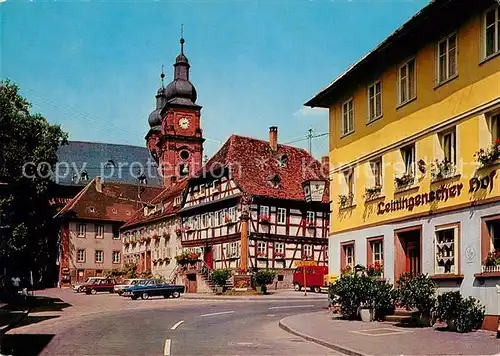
pixel 484 182
pixel 409 203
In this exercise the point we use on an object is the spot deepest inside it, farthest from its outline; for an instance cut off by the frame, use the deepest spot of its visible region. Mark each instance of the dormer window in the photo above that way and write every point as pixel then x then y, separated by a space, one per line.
pixel 275 181
pixel 283 161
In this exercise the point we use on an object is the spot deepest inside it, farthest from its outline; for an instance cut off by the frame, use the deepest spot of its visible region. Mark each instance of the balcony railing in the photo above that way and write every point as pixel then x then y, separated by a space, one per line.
pixel 488 269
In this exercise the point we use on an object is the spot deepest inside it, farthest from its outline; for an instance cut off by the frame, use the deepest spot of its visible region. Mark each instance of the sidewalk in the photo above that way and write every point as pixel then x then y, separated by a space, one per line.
pixel 287 294
pixel 359 339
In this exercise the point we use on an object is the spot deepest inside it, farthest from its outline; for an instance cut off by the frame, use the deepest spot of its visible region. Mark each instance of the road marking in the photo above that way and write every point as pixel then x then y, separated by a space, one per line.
pixel 177 325
pixel 291 306
pixel 376 332
pixel 166 349
pixel 219 313
pixel 271 315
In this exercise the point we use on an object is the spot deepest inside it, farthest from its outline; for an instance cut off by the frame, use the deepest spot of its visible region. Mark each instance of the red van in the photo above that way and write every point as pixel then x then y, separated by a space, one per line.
pixel 314 277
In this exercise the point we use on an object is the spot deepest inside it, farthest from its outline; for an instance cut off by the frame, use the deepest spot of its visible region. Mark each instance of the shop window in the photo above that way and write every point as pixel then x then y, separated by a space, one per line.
pixel 446 249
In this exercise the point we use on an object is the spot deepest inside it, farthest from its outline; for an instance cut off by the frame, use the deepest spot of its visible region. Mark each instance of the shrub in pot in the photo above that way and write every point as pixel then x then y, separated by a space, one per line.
pixel 417 292
pixel 263 277
pixel 219 277
pixel 462 315
pixel 384 300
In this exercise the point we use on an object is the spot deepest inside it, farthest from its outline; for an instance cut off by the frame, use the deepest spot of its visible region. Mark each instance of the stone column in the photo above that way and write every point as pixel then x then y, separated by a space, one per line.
pixel 244 242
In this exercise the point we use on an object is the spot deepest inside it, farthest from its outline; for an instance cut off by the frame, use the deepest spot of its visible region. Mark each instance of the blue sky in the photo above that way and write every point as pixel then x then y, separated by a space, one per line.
pixel 93 66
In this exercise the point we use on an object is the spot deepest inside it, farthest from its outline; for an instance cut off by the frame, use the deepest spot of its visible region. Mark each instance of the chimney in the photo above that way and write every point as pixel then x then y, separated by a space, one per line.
pixel 98 184
pixel 273 138
pixel 325 166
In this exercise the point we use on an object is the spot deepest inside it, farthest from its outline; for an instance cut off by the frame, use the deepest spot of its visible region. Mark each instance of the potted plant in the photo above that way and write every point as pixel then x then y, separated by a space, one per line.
pixel 404 181
pixel 262 278
pixel 462 315
pixel 219 278
pixel 265 219
pixel 442 169
pixel 374 270
pixel 417 292
pixel 490 155
pixel 279 255
pixel 228 220
pixel 261 255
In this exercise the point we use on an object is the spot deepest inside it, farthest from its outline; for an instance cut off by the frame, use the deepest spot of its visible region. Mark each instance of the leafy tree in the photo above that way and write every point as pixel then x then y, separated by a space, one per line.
pixel 28 147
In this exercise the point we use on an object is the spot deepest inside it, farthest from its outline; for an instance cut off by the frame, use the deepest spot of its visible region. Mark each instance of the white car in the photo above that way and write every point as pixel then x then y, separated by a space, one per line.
pixel 79 287
pixel 119 288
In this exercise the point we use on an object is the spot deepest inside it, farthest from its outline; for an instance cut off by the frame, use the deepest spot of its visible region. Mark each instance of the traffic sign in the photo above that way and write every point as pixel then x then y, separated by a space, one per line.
pixel 305 263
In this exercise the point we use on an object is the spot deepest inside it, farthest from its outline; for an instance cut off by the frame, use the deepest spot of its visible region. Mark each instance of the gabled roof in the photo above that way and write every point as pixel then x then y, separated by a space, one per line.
pixel 115 202
pixel 254 165
pixel 166 199
pixel 114 162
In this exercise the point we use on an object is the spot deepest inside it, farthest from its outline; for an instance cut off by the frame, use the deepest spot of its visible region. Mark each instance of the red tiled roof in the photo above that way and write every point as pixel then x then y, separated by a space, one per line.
pixel 253 165
pixel 115 201
pixel 166 198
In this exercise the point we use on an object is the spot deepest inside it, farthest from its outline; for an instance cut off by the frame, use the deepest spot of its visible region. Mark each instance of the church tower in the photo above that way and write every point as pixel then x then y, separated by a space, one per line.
pixel 175 136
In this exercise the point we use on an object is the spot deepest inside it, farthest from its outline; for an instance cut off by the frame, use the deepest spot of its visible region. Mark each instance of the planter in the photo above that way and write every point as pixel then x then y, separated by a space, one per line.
pixel 424 321
pixel 366 315
pixel 242 289
pixel 219 290
pixel 258 289
pixel 452 325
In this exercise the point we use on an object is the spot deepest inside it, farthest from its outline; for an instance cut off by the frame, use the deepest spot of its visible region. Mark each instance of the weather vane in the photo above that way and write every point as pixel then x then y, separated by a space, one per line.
pixel 162 76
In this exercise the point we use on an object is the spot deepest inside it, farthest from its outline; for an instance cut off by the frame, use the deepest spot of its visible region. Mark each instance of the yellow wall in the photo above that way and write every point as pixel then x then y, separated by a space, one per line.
pixel 477 86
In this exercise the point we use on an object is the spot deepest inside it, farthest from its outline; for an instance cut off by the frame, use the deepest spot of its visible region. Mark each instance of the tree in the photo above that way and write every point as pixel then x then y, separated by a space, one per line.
pixel 28 147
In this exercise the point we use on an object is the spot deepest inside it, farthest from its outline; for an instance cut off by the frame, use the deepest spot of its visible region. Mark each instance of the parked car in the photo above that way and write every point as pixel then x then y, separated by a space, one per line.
pixel 100 285
pixel 153 288
pixel 314 277
pixel 79 287
pixel 127 283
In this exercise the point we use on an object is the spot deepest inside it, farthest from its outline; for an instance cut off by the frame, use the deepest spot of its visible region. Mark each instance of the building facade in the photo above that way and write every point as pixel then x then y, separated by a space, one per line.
pixel 414 149
pixel 89 239
pixel 151 237
pixel 246 209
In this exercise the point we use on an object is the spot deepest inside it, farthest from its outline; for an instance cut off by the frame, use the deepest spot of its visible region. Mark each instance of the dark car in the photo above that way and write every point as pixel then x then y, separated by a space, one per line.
pixel 100 285
pixel 154 288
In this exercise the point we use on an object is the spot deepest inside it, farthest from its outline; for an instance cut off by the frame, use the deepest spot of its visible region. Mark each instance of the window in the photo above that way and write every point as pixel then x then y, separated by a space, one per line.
pixel 494 232
pixel 495 127
pixel 261 248
pixel 99 231
pixel 446 250
pixel 492 32
pixel 217 253
pixel 264 211
pixel 310 217
pixel 347 255
pixel 408 154
pixel 99 256
pixel 378 252
pixel 232 213
pixel 376 168
pixel 116 233
pixel 347 117
pixel 448 144
pixel 348 186
pixel 279 248
pixel 407 80
pixel 375 101
pixel 447 58
pixel 80 256
pixel 233 249
pixel 205 221
pixel 116 256
pixel 81 229
pixel 281 216
pixel 220 217
pixel 308 251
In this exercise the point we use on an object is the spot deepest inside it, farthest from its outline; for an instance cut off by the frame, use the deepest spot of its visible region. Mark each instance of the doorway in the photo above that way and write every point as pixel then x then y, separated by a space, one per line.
pixel 208 257
pixel 191 283
pixel 408 251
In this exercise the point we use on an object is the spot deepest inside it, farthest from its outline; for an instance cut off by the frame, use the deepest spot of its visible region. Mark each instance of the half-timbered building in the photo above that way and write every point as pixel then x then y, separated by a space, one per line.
pixel 246 208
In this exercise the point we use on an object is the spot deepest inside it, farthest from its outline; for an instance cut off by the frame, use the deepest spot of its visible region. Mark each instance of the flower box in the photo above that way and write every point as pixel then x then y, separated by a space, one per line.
pixel 375 270
pixel 266 220
pixel 311 225
pixel 262 255
pixel 279 256
pixel 372 192
pixel 490 155
pixel 345 201
pixel 442 170
pixel 404 181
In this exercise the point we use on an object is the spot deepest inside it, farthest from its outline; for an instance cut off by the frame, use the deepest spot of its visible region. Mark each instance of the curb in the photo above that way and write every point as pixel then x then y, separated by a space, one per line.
pixel 256 299
pixel 335 347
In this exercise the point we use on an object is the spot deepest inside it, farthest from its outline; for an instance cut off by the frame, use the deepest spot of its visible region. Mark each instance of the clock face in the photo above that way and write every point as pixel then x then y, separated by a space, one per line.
pixel 184 123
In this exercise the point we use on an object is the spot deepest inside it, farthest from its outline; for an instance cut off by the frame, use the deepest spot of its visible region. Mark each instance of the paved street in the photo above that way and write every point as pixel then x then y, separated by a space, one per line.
pixel 111 325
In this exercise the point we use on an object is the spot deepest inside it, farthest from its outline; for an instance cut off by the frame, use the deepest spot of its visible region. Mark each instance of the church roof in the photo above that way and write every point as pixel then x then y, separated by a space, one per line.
pixel 259 171
pixel 114 162
pixel 114 202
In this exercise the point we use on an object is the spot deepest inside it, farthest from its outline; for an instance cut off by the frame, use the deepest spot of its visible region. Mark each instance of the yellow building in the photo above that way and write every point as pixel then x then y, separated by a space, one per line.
pixel 406 121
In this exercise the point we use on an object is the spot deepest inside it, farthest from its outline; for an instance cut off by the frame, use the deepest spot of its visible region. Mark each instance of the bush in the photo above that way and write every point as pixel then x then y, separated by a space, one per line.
pixel 354 291
pixel 416 291
pixel 220 276
pixel 462 315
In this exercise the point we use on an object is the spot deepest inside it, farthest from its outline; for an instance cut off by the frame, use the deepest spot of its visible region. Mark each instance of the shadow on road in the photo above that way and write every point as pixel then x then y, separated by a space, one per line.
pixel 43 304
pixel 24 344
pixel 33 319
